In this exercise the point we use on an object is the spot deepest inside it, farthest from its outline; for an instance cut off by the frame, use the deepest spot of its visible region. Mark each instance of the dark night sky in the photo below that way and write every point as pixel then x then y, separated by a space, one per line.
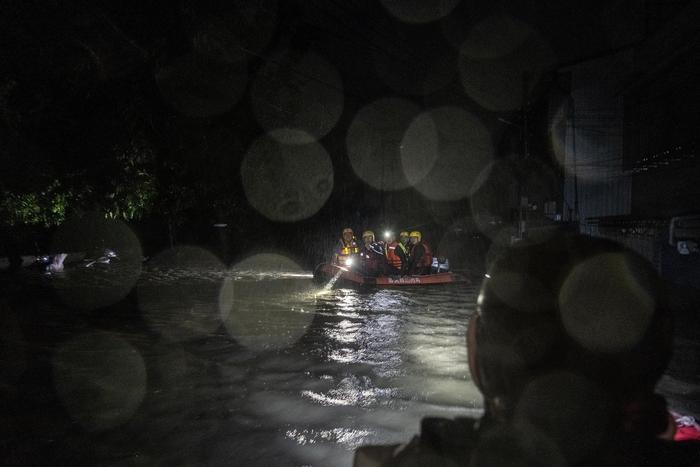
pixel 190 135
pixel 197 84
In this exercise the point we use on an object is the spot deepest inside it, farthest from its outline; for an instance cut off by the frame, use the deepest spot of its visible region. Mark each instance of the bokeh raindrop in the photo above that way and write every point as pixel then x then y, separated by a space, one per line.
pixel 559 132
pixel 198 86
pixel 100 379
pixel 410 65
pixel 515 181
pixel 298 90
pixel 506 82
pixel 99 280
pixel 605 303
pixel 287 183
pixel 587 147
pixel 178 296
pixel 264 305
pixel 444 151
pixel 374 142
pixel 419 148
pixel 519 291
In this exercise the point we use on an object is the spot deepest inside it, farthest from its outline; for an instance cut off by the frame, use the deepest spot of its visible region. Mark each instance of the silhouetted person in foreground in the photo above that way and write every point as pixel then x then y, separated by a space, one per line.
pixel 569 339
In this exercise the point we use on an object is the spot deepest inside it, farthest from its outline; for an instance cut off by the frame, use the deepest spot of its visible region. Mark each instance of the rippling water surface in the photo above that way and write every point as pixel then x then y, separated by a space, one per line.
pixel 208 366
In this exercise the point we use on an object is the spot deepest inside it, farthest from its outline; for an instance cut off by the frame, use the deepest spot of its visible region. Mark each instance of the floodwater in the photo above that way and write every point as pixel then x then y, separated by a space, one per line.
pixel 203 365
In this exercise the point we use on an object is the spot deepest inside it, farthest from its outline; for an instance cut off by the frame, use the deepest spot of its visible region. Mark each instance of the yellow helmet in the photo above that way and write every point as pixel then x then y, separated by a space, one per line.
pixel 368 233
pixel 417 234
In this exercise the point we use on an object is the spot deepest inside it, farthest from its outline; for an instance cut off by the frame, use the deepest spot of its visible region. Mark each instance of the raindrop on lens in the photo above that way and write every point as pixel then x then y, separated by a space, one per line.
pixel 444 151
pixel 99 280
pixel 178 298
pixel 262 305
pixel 287 183
pixel 605 303
pixel 197 86
pixel 299 91
pixel 374 142
pixel 497 83
pixel 100 379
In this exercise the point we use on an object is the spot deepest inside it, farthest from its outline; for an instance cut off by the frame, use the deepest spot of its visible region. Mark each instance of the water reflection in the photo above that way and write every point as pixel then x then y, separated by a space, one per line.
pixel 352 390
pixel 348 437
pixel 285 377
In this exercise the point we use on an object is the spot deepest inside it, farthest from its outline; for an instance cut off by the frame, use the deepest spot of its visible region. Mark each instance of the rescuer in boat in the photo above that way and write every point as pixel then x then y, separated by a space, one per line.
pixel 568 341
pixel 347 248
pixel 421 256
pixel 405 240
pixel 396 254
pixel 371 255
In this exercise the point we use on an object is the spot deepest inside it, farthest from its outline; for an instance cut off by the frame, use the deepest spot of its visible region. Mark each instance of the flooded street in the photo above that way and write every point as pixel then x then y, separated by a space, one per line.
pixel 180 178
pixel 201 365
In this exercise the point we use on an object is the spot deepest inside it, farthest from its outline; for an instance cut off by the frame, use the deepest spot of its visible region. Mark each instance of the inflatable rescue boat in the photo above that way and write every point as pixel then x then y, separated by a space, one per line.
pixel 346 276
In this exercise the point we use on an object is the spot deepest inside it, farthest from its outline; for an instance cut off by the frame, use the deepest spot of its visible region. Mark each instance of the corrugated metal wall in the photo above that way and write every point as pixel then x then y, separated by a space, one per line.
pixel 593 149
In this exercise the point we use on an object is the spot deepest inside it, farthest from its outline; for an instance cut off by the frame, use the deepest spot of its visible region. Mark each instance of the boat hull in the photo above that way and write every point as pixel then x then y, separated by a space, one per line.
pixel 344 275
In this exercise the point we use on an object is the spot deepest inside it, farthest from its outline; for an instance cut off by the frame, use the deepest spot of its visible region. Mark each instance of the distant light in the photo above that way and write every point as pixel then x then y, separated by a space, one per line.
pixel 387 234
pixel 349 261
pixel 220 225
pixel 488 276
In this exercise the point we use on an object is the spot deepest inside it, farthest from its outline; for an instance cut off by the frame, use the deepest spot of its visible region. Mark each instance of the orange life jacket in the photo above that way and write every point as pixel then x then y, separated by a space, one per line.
pixel 391 257
pixel 427 259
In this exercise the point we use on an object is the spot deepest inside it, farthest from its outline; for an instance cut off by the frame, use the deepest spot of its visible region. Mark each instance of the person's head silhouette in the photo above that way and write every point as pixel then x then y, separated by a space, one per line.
pixel 570 337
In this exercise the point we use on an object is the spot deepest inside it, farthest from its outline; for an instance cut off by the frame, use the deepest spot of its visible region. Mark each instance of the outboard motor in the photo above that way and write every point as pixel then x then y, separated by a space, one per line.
pixel 440 265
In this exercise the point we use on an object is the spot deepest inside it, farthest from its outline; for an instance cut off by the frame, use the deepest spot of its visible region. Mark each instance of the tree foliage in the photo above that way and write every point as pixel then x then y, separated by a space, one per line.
pixel 133 188
pixel 46 207
pixel 84 128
